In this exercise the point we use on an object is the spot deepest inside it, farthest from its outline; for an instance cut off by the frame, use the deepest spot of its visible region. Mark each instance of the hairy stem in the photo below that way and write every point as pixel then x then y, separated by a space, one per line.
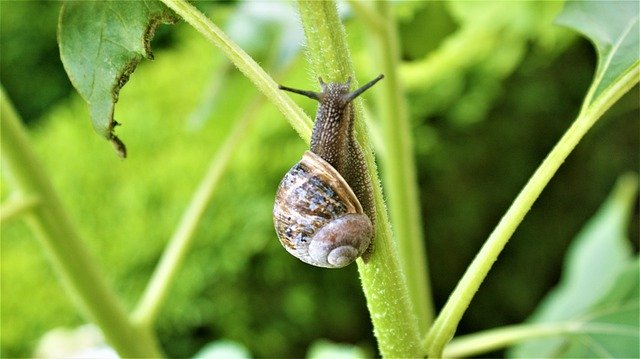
pixel 395 324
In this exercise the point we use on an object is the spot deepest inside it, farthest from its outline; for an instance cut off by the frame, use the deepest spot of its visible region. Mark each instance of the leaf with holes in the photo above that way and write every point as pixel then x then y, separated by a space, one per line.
pixel 101 43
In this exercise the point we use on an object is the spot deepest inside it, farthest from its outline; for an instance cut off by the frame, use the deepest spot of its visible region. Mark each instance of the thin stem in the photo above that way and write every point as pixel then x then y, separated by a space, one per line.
pixel 494 339
pixel 16 207
pixel 503 337
pixel 400 174
pixel 395 324
pixel 292 112
pixel 63 245
pixel 446 323
pixel 175 252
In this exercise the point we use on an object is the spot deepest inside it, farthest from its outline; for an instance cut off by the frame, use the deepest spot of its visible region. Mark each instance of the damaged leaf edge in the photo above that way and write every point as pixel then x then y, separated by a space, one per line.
pixel 165 17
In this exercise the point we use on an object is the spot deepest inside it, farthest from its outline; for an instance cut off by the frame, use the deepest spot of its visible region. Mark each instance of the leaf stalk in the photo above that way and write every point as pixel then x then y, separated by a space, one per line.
pixel 448 319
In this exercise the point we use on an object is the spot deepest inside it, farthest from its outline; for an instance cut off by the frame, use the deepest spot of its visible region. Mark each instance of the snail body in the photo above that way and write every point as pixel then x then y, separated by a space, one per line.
pixel 324 212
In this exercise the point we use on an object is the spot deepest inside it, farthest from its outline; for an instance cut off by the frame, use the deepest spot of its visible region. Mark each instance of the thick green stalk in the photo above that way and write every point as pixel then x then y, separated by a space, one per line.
pixel 395 324
pixel 63 245
pixel 448 319
pixel 399 174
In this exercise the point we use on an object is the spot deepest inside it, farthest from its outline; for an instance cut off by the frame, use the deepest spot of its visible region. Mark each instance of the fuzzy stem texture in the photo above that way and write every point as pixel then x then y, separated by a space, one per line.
pixel 394 321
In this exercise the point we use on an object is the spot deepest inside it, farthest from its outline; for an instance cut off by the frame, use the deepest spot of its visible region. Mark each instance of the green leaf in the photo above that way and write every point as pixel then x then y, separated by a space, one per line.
pixel 612 26
pixel 609 329
pixel 598 292
pixel 101 43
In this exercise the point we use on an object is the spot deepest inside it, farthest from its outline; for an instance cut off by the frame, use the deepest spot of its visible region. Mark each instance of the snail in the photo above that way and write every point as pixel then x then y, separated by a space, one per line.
pixel 324 211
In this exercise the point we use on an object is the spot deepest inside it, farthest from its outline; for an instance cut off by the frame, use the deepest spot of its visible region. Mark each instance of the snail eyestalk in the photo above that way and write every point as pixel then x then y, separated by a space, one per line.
pixel 362 89
pixel 310 94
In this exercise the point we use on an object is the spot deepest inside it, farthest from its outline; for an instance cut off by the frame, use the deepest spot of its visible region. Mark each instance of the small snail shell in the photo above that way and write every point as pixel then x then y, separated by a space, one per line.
pixel 324 212
pixel 318 217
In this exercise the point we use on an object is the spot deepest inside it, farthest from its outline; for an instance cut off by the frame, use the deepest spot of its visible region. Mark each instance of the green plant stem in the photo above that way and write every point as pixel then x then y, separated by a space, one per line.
pixel 293 113
pixel 395 324
pixel 503 337
pixel 494 339
pixel 16 207
pixel 400 174
pixel 175 252
pixel 448 319
pixel 63 245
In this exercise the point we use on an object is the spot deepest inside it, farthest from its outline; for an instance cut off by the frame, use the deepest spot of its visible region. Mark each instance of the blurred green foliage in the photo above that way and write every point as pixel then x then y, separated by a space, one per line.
pixel 479 133
pixel 31 70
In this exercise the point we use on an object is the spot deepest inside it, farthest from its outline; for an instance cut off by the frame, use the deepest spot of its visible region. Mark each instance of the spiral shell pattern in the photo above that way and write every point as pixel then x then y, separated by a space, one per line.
pixel 317 216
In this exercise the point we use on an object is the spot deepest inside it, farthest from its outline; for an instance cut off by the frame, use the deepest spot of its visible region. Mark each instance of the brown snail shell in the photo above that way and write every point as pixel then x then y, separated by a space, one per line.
pixel 317 216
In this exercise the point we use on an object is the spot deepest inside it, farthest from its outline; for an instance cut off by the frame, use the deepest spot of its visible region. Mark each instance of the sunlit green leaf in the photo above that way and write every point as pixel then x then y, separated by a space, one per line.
pixel 598 292
pixel 612 26
pixel 101 43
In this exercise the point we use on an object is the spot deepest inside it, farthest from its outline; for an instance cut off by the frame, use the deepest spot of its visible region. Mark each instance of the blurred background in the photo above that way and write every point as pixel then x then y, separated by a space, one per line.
pixel 481 128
